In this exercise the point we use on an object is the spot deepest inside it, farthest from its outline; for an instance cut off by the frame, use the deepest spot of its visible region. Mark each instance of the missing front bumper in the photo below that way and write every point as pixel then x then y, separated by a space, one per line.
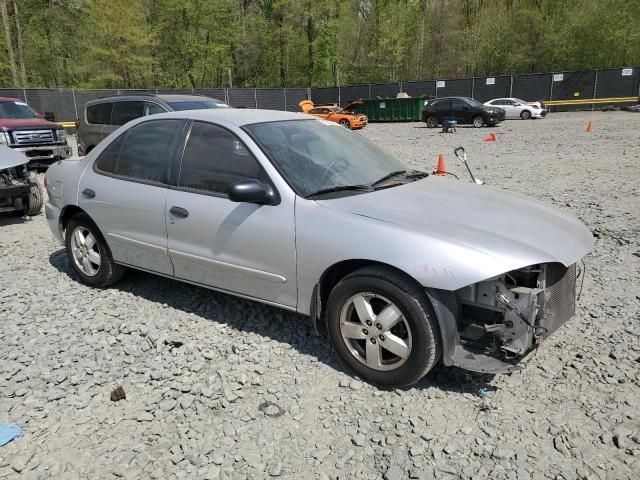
pixel 506 317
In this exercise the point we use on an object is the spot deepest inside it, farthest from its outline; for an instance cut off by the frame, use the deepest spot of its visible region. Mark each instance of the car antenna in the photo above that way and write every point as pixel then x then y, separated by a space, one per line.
pixel 462 155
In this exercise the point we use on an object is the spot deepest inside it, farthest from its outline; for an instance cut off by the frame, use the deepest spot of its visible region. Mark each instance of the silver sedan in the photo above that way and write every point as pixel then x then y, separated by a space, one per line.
pixel 400 268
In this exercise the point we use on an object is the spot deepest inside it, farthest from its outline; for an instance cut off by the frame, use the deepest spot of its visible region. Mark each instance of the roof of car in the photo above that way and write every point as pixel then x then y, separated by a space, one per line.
pixel 151 96
pixel 236 116
pixel 182 98
pixel 9 99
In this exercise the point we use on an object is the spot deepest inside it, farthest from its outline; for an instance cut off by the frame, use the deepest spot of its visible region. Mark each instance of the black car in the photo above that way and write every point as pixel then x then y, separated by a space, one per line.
pixel 463 110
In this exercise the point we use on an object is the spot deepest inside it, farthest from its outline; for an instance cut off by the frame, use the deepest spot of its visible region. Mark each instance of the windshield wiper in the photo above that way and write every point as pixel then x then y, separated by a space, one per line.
pixel 339 188
pixel 388 176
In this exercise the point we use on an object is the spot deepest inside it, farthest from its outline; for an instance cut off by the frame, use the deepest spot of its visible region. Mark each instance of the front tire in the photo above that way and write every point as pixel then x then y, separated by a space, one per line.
pixel 35 200
pixel 345 123
pixel 383 326
pixel 89 254
pixel 525 115
pixel 478 121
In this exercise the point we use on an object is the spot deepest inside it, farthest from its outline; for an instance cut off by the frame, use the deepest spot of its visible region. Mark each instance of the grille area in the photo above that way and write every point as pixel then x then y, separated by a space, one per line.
pixel 31 137
pixel 560 299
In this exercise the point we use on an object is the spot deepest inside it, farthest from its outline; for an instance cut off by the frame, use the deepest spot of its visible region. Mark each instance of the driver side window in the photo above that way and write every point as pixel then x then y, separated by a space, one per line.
pixel 214 159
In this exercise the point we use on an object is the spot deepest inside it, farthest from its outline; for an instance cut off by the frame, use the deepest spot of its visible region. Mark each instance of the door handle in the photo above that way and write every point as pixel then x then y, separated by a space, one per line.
pixel 87 192
pixel 179 212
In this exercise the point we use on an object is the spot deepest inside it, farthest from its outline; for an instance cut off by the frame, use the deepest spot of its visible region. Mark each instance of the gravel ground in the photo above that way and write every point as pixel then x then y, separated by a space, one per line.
pixel 197 366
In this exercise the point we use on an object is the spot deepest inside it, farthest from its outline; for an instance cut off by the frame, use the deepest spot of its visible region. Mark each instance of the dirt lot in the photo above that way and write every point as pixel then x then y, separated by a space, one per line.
pixel 197 365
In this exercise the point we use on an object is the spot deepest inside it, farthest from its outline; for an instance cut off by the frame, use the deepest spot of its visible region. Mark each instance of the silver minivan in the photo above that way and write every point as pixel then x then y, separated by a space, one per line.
pixel 105 115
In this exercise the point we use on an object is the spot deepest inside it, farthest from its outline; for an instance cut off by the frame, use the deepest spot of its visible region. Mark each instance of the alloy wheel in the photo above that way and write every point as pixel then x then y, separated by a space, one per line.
pixel 375 331
pixel 85 250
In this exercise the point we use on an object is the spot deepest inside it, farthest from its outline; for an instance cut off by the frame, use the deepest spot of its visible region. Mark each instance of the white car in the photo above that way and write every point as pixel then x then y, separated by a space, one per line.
pixel 516 108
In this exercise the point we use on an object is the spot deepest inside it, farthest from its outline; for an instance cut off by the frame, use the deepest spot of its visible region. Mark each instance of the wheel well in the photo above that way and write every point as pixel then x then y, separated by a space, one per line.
pixel 332 276
pixel 68 212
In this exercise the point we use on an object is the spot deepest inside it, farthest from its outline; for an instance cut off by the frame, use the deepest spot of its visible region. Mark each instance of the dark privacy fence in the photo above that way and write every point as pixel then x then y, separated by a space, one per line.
pixel 67 104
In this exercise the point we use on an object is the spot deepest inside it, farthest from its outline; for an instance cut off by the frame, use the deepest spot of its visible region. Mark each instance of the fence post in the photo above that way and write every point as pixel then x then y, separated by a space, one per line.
pixel 75 105
pixel 511 87
pixel 473 84
pixel 595 86
pixel 284 91
pixel 24 94
pixel 255 96
pixel 436 88
pixel 369 85
pixel 551 88
pixel 339 99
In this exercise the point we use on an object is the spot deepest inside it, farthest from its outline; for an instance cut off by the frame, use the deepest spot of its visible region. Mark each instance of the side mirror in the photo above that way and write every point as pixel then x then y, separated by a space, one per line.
pixel 253 191
pixel 49 116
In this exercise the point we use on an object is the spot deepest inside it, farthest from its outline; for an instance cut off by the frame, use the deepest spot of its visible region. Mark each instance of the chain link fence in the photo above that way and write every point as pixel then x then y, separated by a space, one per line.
pixel 570 90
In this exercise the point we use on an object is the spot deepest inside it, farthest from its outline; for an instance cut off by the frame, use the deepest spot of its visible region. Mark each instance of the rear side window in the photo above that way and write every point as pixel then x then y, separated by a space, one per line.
pixel 143 152
pixel 99 114
pixel 107 160
pixel 214 159
pixel 147 150
pixel 124 112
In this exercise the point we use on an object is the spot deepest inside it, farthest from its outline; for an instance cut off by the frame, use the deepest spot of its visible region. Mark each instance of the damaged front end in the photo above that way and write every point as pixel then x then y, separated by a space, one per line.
pixel 14 188
pixel 502 319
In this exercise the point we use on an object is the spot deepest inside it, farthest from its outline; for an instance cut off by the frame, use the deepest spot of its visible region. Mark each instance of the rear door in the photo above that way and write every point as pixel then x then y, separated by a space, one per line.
pixel 243 248
pixel 125 191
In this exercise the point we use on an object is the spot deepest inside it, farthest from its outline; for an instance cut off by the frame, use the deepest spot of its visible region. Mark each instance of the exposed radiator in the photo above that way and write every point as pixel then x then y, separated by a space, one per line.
pixel 560 299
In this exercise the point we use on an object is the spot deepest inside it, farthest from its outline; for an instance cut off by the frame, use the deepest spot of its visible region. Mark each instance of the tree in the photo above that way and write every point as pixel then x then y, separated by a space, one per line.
pixel 7 39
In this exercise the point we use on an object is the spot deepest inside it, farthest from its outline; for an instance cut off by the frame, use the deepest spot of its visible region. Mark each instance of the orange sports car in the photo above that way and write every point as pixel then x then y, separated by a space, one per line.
pixel 344 116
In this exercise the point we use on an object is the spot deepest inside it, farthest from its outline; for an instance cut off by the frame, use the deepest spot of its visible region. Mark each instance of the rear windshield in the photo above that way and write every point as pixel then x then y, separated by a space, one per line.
pixel 16 110
pixel 196 105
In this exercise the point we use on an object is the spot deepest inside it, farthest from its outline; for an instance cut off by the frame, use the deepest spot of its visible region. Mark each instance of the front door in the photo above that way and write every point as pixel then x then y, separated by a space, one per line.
pixel 242 248
pixel 126 190
pixel 461 111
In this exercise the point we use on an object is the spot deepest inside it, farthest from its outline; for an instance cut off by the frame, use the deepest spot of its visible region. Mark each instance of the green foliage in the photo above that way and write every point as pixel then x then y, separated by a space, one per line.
pixel 268 43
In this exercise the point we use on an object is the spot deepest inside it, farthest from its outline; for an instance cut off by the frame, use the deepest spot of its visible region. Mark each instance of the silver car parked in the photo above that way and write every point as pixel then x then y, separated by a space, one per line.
pixel 402 269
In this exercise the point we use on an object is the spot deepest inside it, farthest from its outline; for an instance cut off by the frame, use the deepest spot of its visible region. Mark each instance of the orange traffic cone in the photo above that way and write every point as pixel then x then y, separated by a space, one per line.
pixel 589 127
pixel 441 169
pixel 490 138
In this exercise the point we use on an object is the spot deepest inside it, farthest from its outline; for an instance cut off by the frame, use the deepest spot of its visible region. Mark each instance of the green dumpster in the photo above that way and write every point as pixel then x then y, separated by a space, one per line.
pixel 393 109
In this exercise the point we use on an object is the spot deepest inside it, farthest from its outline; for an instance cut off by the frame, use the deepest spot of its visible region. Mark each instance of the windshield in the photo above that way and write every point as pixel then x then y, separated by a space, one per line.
pixel 314 155
pixel 473 102
pixel 520 101
pixel 16 110
pixel 196 105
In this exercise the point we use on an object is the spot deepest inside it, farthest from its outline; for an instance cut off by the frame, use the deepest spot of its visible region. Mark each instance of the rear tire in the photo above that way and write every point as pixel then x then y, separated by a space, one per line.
pixel 525 115
pixel 432 122
pixel 478 121
pixel 35 200
pixel 383 326
pixel 89 254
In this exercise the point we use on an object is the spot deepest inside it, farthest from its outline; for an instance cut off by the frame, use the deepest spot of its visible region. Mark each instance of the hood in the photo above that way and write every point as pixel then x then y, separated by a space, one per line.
pixel 26 123
pixel 10 158
pixel 351 107
pixel 502 225
pixel 305 105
